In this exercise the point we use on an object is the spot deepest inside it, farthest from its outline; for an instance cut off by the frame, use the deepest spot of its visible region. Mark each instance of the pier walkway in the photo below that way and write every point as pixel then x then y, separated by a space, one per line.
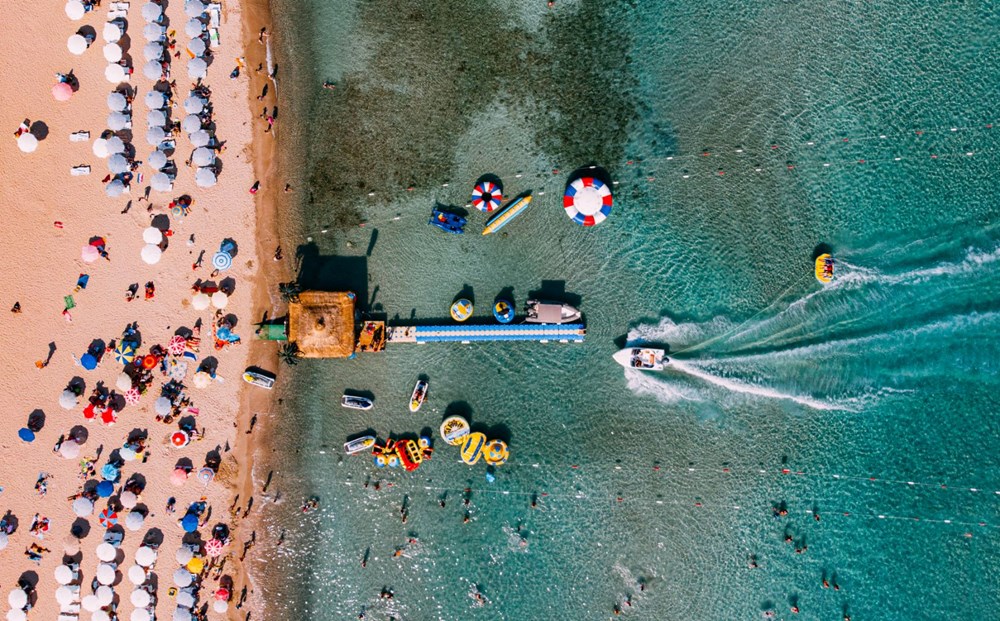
pixel 457 333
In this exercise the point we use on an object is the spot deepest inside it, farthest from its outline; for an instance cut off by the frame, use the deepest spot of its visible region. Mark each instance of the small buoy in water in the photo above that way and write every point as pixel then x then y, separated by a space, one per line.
pixel 490 477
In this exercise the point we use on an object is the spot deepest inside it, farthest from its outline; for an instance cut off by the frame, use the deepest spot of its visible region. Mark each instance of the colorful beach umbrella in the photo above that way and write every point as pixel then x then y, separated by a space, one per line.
pixel 124 354
pixel 214 547
pixel 26 434
pixel 109 416
pixel 132 396
pixel 205 475
pixel 176 345
pixel 178 476
pixel 88 361
pixel 177 370
pixel 189 523
pixel 104 489
pixel 89 254
pixel 110 472
pixel 108 518
pixel 222 261
pixel 180 439
pixel 195 565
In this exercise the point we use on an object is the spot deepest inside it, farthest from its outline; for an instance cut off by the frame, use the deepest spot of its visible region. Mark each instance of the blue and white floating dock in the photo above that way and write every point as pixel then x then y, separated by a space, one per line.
pixel 541 333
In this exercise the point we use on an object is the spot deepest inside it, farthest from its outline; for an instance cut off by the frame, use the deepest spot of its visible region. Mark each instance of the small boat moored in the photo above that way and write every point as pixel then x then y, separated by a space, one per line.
pixel 359 444
pixel 503 311
pixel 550 312
pixel 824 268
pixel 461 309
pixel 355 402
pixel 642 359
pixel 447 221
pixel 419 395
pixel 257 378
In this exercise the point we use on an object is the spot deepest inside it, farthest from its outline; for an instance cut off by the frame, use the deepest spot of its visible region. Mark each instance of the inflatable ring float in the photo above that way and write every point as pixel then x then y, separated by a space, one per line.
pixel 496 453
pixel 472 447
pixel 424 442
pixel 587 201
pixel 453 429
pixel 503 311
pixel 394 461
pixel 486 196
pixel 461 310
pixel 381 461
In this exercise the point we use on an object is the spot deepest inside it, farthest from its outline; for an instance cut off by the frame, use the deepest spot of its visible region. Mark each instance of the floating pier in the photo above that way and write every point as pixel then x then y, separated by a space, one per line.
pixel 541 333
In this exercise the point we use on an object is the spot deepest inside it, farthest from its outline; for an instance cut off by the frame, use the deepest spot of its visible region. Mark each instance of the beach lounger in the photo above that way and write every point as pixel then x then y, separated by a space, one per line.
pixel 79 171
pixel 68 617
pixel 71 609
pixel 214 14
pixel 80 136
pixel 115 538
pixel 213 38
pixel 117 14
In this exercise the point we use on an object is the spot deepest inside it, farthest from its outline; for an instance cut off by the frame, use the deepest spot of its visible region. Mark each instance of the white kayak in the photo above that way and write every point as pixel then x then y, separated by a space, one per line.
pixel 642 359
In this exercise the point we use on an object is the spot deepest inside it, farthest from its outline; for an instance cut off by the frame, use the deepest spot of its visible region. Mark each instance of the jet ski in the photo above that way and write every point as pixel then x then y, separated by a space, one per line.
pixel 447 222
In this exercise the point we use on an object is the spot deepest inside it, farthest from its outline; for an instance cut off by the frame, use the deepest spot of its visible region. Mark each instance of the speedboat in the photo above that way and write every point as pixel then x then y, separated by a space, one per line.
pixel 824 268
pixel 258 379
pixel 550 312
pixel 359 444
pixel 419 395
pixel 503 311
pixel 447 221
pixel 642 359
pixel 355 402
pixel 504 217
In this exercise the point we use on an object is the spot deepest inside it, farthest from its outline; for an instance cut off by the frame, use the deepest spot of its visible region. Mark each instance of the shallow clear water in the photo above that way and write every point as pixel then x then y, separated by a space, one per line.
pixel 741 137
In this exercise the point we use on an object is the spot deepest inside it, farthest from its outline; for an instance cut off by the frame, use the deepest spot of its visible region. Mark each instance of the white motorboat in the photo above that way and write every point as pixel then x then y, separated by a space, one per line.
pixel 539 311
pixel 641 359
pixel 356 403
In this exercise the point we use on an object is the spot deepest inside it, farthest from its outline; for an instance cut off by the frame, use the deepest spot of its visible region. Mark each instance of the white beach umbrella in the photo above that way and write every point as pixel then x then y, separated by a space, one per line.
pixel 82 507
pixel 145 556
pixel 194 8
pixel 124 382
pixel 112 32
pixel 161 182
pixel 155 136
pixel 65 595
pixel 155 100
pixel 151 254
pixel 152 51
pixel 202 379
pixel 151 11
pixel 116 101
pixel 100 615
pixel 106 552
pixel 197 46
pixel 77 44
pixel 185 600
pixel 128 500
pixel 153 32
pixel 156 118
pixel 17 598
pixel 183 577
pixel 63 574
pixel 220 606
pixel 100 147
pixel 191 123
pixel 140 614
pixel 204 178
pixel 194 27
pixel 183 555
pixel 151 234
pixel 114 73
pixel 162 406
pixel 70 449
pixel 27 142
pixel 115 189
pixel 197 67
pixel 105 574
pixel 157 160
pixel 220 300
pixel 181 614
pixel 114 144
pixel 200 301
pixel 75 10
pixel 67 400
pixel 134 521
pixel 203 156
pixel 117 121
pixel 136 574
pixel 140 598
pixel 104 595
pixel 194 105
pixel 90 603
pixel 112 53
pixel 17 614
pixel 153 70
pixel 117 164
pixel 200 138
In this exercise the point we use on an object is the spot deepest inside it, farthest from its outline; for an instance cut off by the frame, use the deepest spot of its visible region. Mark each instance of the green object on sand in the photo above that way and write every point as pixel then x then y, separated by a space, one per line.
pixel 69 302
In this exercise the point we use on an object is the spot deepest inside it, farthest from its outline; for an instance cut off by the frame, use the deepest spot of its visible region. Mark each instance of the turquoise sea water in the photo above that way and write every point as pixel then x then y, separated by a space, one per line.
pixel 742 135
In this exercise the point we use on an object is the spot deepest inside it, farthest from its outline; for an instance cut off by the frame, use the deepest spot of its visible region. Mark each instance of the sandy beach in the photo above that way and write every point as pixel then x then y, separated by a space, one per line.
pixel 52 216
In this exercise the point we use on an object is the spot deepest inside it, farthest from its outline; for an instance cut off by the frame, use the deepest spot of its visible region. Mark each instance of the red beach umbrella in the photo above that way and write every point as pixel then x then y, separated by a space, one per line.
pixel 180 438
pixel 108 518
pixel 109 416
pixel 149 361
pixel 222 594
pixel 176 345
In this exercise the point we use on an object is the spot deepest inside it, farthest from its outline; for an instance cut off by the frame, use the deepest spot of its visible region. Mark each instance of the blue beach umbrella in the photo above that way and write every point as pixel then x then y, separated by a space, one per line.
pixel 222 261
pixel 26 434
pixel 105 489
pixel 124 353
pixel 110 472
pixel 189 523
pixel 88 361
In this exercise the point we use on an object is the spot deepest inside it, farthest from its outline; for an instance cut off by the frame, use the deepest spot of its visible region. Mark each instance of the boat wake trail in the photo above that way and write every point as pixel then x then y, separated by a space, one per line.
pixel 934 317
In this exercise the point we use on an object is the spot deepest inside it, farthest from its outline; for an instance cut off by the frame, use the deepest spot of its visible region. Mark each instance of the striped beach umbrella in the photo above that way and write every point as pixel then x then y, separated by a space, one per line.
pixel 176 345
pixel 132 396
pixel 486 196
pixel 213 547
pixel 222 261
pixel 124 353
pixel 108 518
